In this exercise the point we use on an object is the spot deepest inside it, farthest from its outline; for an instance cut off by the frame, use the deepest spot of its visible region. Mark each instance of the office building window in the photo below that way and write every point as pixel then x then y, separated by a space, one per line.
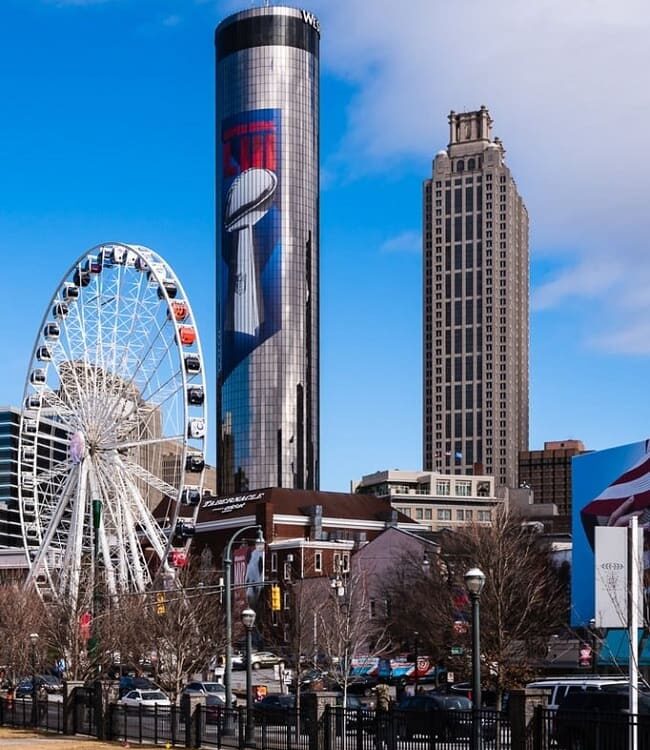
pixel 444 514
pixel 463 487
pixel 318 561
pixel 443 487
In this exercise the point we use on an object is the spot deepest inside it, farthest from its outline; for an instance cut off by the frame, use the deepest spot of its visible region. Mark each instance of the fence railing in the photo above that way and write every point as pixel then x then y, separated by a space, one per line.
pixel 21 712
pixel 587 730
pixel 336 728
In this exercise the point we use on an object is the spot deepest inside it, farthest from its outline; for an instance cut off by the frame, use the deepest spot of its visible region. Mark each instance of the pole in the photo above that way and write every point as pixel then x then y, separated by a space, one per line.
pixel 476 674
pixel 250 727
pixel 34 709
pixel 417 677
pixel 227 572
pixel 633 631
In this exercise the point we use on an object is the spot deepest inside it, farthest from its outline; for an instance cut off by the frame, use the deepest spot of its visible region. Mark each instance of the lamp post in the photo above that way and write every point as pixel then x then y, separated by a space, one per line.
pixel 248 620
pixel 227 572
pixel 416 643
pixel 474 582
pixel 33 639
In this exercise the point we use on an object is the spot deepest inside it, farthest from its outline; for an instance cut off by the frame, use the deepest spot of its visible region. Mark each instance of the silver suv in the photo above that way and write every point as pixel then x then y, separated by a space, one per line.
pixel 215 689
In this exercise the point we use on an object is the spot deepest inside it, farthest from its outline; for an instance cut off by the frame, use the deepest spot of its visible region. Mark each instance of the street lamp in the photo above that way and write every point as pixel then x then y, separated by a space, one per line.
pixel 416 643
pixel 33 639
pixel 474 582
pixel 248 620
pixel 227 572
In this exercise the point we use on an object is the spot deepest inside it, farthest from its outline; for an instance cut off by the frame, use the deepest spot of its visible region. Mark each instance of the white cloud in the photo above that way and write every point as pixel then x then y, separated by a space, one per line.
pixel 566 84
pixel 405 242
pixel 171 20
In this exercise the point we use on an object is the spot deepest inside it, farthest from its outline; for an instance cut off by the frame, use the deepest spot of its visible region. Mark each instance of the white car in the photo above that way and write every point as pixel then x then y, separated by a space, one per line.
pixel 146 698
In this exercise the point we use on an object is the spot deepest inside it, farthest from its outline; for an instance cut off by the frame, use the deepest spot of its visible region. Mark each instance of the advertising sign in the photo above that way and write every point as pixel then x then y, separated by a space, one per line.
pixel 248 576
pixel 607 488
pixel 250 232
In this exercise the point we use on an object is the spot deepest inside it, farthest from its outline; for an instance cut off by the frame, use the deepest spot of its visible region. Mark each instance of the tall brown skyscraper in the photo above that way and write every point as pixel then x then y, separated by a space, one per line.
pixel 476 306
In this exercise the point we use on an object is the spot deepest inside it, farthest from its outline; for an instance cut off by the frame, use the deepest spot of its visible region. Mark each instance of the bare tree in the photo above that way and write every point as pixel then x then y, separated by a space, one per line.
pixel 523 601
pixel 21 613
pixel 185 631
pixel 346 628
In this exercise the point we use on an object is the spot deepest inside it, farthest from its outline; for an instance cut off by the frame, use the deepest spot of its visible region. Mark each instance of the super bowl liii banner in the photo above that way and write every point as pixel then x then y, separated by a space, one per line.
pixel 250 232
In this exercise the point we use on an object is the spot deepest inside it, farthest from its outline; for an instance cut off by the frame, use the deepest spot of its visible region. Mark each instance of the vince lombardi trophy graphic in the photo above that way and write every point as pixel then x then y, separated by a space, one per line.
pixel 249 199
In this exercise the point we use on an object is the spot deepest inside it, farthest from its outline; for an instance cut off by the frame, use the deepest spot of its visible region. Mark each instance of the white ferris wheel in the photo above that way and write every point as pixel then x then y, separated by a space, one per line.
pixel 113 429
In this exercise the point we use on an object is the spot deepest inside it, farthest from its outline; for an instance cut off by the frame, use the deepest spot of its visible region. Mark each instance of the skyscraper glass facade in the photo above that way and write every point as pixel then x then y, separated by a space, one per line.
pixel 267 249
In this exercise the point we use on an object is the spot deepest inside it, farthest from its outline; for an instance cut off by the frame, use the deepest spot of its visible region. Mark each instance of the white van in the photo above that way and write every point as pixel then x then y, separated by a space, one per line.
pixel 559 687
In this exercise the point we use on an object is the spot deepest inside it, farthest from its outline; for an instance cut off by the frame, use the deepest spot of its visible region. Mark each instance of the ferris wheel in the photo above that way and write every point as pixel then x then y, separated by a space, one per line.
pixel 113 429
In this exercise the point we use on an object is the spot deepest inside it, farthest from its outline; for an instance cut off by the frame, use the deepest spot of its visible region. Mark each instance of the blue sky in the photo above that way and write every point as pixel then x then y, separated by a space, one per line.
pixel 107 133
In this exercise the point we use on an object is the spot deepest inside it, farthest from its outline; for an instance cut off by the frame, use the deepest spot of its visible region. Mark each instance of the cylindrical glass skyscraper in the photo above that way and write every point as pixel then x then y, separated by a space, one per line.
pixel 267 249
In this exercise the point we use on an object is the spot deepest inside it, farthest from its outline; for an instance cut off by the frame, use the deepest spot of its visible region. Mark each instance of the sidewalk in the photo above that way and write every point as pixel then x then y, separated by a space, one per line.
pixel 25 739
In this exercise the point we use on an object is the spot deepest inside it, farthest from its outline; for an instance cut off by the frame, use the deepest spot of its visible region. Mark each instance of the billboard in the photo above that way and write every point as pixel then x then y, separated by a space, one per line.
pixel 608 487
pixel 248 577
pixel 250 232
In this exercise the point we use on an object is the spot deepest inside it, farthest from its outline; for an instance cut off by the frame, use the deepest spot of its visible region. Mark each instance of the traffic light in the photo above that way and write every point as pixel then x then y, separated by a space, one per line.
pixel 275 598
pixel 161 607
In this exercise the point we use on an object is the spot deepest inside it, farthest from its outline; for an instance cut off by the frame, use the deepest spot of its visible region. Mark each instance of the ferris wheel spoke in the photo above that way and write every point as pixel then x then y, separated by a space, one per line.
pixel 135 564
pixel 60 469
pixel 136 330
pixel 141 513
pixel 137 443
pixel 65 384
pixel 131 564
pixel 110 414
pixel 172 380
pixel 151 479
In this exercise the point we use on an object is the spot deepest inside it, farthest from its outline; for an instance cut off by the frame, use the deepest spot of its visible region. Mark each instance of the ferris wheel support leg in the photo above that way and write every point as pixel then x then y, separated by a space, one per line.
pixel 41 557
pixel 136 551
pixel 75 542
pixel 144 517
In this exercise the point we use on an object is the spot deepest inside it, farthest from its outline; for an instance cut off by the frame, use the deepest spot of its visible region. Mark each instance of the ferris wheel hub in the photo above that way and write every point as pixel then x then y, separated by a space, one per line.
pixel 77 447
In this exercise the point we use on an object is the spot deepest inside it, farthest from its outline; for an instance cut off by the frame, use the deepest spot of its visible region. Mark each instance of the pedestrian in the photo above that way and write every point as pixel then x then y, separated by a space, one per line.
pixel 383 734
pixel 41 696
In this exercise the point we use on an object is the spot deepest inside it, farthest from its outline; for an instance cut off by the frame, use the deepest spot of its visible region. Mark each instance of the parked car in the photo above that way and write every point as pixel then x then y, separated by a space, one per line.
pixel 214 707
pixel 145 698
pixel 316 679
pixel 208 688
pixel 599 718
pixel 259 660
pixel 559 688
pixel 52 685
pixel 357 714
pixel 440 716
pixel 276 708
pixel 128 683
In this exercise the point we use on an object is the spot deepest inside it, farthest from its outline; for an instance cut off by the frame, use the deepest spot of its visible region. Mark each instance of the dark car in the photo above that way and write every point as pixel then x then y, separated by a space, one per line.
pixel 357 714
pixel 599 718
pixel 128 683
pixel 276 709
pixel 214 708
pixel 51 684
pixel 440 716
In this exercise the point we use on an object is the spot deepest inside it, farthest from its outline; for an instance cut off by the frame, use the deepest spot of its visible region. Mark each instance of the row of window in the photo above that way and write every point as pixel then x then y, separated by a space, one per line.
pixel 445 514
pixel 341 562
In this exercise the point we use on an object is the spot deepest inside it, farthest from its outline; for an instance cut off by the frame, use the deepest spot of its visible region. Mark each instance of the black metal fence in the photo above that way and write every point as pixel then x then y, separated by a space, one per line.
pixel 336 729
pixel 46 715
pixel 587 730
